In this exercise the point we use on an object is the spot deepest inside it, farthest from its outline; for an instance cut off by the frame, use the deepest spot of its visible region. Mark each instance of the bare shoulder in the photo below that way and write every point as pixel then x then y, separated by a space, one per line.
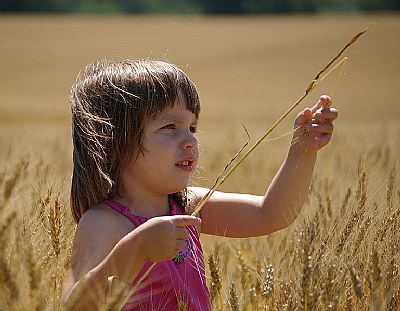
pixel 102 217
pixel 195 194
pixel 99 229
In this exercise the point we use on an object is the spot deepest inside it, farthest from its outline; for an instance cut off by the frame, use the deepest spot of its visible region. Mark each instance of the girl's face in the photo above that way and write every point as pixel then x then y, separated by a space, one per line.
pixel 170 152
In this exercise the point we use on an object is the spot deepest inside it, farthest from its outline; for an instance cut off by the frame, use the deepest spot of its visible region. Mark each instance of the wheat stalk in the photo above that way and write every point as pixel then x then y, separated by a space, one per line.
pixel 233 299
pixel 245 274
pixel 318 78
pixel 222 178
pixel 268 282
pixel 12 181
pixel 307 242
pixel 216 282
pixel 356 281
pixel 8 283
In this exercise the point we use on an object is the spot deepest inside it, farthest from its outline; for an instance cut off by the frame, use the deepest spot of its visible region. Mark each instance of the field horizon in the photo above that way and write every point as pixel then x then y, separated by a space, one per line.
pixel 342 251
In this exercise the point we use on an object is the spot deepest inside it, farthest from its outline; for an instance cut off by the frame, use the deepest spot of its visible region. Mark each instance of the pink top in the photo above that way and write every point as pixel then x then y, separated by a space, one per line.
pixel 171 283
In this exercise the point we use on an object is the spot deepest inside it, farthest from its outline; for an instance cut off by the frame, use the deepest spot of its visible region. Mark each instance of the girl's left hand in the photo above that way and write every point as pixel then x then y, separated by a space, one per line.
pixel 314 126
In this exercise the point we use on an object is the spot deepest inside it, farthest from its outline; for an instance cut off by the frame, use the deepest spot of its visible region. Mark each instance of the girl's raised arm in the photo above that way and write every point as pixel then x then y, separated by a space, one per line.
pixel 243 215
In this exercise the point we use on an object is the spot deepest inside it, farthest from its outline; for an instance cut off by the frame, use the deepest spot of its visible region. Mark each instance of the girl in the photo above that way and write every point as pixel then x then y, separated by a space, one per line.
pixel 133 126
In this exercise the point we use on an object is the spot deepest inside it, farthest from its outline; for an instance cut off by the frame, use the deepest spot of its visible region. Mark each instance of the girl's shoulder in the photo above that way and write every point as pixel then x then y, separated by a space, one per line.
pixel 102 220
pixel 99 223
pixel 194 195
pixel 102 214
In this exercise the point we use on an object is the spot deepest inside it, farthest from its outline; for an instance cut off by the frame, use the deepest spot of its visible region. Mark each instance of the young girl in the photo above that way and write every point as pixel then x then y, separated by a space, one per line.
pixel 135 149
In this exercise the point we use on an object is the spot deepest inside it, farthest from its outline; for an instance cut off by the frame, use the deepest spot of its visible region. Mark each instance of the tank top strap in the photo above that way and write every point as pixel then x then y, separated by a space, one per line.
pixel 137 220
pixel 175 210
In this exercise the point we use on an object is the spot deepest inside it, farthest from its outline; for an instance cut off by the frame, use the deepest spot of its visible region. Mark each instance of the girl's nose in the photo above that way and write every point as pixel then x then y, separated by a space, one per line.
pixel 189 142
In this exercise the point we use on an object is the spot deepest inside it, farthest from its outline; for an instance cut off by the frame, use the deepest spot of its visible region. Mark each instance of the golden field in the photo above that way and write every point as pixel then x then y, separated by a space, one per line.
pixel 342 251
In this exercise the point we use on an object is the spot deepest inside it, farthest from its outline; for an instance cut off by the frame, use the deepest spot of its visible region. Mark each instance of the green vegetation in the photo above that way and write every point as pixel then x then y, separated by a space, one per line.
pixel 196 6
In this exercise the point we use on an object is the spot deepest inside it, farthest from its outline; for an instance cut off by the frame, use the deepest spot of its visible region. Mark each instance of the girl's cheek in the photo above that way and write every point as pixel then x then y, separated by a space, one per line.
pixel 196 152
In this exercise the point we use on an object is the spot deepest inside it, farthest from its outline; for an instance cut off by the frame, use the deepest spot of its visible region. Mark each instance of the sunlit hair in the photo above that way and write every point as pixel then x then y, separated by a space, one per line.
pixel 111 102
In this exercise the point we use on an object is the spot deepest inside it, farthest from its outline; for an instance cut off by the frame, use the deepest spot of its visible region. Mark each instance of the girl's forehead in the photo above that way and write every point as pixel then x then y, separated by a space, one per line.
pixel 178 111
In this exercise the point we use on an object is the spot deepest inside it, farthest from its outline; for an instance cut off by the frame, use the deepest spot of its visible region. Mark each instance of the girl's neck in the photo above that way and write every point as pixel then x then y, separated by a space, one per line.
pixel 146 206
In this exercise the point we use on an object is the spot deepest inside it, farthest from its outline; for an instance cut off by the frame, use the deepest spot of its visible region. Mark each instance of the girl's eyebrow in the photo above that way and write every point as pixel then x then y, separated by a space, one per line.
pixel 171 116
pixel 166 116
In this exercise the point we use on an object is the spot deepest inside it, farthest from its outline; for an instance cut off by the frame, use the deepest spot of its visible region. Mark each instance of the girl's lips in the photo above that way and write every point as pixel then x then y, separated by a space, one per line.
pixel 186 165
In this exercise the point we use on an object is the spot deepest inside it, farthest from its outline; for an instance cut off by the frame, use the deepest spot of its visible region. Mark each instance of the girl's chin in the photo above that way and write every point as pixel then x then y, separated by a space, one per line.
pixel 179 187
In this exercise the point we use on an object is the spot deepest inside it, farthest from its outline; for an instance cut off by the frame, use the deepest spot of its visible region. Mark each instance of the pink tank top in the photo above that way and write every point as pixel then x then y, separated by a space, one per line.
pixel 173 283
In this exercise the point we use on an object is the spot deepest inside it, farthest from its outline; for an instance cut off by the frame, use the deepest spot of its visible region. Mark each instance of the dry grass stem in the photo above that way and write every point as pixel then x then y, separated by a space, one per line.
pixel 356 281
pixel 312 85
pixel 233 299
pixel 215 285
pixel 268 282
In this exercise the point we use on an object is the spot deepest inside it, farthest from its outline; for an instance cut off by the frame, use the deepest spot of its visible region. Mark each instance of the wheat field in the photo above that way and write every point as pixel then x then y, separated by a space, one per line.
pixel 342 251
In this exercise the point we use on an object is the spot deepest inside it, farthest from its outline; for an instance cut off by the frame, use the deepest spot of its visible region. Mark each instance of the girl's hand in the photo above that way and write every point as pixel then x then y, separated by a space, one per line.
pixel 314 127
pixel 163 237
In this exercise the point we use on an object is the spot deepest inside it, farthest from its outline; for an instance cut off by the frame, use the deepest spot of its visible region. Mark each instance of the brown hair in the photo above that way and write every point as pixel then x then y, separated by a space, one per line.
pixel 111 102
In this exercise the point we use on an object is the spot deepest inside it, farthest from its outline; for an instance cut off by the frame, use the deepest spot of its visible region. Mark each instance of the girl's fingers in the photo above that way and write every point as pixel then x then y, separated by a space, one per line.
pixel 321 129
pixel 321 134
pixel 179 245
pixel 315 125
pixel 181 234
pixel 320 112
pixel 304 117
pixel 323 140
pixel 183 221
pixel 323 102
pixel 325 115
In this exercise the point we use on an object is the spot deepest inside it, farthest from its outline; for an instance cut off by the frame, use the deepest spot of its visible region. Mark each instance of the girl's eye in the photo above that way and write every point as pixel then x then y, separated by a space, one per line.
pixel 193 129
pixel 169 127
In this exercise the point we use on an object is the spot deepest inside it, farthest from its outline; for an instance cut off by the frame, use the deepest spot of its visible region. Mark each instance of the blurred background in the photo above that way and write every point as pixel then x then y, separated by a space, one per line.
pixel 250 60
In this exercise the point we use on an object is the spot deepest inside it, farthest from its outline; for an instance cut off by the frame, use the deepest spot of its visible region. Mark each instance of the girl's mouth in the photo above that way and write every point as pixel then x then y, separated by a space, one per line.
pixel 186 165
